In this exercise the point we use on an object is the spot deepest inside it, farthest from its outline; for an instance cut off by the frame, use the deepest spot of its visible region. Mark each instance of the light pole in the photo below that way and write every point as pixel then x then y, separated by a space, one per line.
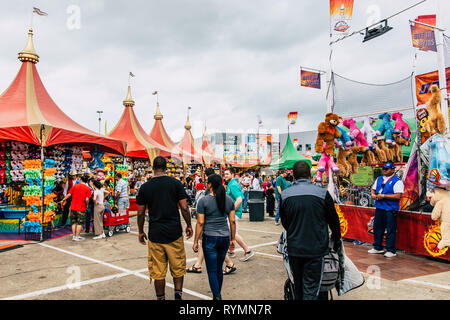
pixel 99 121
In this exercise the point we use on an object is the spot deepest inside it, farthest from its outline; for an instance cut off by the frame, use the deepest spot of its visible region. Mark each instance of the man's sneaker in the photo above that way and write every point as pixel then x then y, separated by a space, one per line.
pixel 375 251
pixel 100 236
pixel 79 239
pixel 277 223
pixel 247 256
pixel 390 254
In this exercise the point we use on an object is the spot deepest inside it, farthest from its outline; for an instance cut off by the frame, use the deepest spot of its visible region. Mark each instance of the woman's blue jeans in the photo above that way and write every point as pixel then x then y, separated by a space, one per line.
pixel 215 249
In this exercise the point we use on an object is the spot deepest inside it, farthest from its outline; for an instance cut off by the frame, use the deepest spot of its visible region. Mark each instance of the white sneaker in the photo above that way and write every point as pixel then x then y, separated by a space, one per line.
pixel 79 239
pixel 390 254
pixel 74 238
pixel 100 236
pixel 375 251
pixel 247 256
pixel 277 223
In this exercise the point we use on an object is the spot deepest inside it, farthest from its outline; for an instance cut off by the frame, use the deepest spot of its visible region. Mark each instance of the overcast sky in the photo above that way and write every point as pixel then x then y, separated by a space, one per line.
pixel 229 60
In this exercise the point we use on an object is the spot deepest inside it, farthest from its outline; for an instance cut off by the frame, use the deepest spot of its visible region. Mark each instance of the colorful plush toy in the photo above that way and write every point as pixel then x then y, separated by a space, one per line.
pixel 435 123
pixel 325 163
pixel 388 152
pixel 386 129
pixel 344 166
pixel 440 200
pixel 368 132
pixel 439 168
pixel 401 127
pixel 355 133
pixel 327 132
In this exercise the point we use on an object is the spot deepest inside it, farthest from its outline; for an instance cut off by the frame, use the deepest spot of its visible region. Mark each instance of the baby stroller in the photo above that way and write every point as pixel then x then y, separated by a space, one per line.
pixel 331 272
pixel 198 195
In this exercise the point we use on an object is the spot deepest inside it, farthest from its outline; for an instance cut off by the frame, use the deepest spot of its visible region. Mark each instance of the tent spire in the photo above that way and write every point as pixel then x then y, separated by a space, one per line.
pixel 188 124
pixel 28 53
pixel 128 102
pixel 158 115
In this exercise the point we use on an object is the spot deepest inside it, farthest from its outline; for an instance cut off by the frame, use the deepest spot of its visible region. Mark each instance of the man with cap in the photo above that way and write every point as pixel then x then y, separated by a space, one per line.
pixel 386 191
pixel 121 192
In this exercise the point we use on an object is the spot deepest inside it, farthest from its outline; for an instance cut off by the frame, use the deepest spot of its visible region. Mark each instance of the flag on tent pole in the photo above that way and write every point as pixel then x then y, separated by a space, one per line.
pixel 39 12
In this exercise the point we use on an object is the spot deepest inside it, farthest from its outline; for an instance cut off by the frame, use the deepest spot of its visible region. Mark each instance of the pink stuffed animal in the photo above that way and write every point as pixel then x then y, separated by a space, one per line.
pixel 401 126
pixel 325 163
pixel 355 133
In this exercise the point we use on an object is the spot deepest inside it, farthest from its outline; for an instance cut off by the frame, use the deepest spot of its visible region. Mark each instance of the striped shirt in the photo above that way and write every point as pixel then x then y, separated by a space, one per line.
pixel 122 187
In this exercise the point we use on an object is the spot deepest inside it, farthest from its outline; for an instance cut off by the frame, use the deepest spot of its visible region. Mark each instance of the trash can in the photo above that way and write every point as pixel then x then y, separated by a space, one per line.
pixel 256 209
pixel 256 195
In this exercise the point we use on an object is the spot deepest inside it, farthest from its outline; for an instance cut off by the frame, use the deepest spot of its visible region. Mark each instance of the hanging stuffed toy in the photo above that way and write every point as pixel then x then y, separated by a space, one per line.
pixel 325 163
pixel 327 132
pixel 439 157
pixel 386 129
pixel 355 133
pixel 368 132
pixel 440 200
pixel 387 152
pixel 345 141
pixel 344 166
pixel 402 128
pixel 435 123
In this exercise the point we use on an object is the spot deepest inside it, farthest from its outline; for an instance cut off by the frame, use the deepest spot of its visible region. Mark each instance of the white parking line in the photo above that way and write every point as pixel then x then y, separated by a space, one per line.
pixel 425 283
pixel 135 273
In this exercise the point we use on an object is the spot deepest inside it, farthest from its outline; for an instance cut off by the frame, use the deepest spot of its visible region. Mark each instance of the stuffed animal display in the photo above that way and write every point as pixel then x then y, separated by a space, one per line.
pixel 401 127
pixel 345 141
pixel 439 157
pixel 368 132
pixel 435 123
pixel 344 166
pixel 327 132
pixel 440 200
pixel 356 134
pixel 386 129
pixel 325 163
pixel 139 167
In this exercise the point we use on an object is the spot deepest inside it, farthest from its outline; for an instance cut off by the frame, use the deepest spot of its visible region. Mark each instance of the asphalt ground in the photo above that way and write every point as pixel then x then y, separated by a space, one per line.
pixel 116 269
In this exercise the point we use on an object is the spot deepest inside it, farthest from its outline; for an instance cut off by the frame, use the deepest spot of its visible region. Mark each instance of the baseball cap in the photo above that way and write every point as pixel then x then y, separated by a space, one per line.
pixel 389 165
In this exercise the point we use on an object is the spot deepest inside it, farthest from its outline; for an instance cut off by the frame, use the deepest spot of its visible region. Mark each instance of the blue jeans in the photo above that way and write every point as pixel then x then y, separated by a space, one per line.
pixel 384 219
pixel 245 201
pixel 215 249
pixel 277 217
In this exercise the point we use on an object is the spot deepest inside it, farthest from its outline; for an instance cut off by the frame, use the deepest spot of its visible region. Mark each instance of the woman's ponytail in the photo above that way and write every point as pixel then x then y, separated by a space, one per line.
pixel 216 183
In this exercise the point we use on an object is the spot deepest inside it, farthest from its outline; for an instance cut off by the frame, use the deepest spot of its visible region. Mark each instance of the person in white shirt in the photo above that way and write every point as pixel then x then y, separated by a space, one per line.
pixel 387 192
pixel 256 183
pixel 99 209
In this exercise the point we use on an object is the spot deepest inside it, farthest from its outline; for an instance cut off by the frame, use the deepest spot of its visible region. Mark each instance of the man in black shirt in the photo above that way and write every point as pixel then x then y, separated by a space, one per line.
pixel 306 212
pixel 163 196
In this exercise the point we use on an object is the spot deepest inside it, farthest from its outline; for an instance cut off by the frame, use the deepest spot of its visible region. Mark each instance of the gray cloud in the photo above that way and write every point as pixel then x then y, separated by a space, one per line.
pixel 229 60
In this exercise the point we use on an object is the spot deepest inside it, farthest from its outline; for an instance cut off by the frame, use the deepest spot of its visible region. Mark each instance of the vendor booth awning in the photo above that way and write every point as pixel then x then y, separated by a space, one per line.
pixel 289 157
pixel 139 144
pixel 26 108
pixel 191 152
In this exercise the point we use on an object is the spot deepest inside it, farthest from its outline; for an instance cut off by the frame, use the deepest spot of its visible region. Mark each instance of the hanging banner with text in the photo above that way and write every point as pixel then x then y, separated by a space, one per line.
pixel 292 117
pixel 310 79
pixel 423 36
pixel 424 83
pixel 341 12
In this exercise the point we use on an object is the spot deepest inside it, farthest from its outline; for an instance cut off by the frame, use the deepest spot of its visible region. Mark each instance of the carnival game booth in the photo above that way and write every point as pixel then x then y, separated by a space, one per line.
pixel 141 147
pixel 352 153
pixel 39 146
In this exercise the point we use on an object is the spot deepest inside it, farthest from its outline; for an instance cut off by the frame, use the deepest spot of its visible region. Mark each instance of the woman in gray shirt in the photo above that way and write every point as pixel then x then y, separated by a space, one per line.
pixel 213 211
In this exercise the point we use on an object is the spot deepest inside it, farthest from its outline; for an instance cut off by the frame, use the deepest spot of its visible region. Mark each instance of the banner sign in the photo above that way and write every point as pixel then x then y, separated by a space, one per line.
pixel 416 232
pixel 423 38
pixel 341 12
pixel 422 117
pixel 310 79
pixel 424 83
pixel 363 177
pixel 292 117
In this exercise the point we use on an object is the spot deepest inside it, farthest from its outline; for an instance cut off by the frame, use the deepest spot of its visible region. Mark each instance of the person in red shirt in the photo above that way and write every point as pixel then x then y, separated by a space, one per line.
pixel 200 185
pixel 80 194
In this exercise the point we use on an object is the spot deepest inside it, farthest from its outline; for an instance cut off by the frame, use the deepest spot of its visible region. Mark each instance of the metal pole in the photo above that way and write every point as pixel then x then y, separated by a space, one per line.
pixel 442 74
pixel 42 192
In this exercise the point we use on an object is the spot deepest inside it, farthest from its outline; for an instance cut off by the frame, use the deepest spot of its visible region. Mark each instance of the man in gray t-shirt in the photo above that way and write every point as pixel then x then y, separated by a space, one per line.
pixel 215 224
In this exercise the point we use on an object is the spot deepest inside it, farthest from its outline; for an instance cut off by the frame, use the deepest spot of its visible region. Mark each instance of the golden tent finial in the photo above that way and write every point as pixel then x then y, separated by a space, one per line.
pixel 188 124
pixel 158 115
pixel 128 102
pixel 28 53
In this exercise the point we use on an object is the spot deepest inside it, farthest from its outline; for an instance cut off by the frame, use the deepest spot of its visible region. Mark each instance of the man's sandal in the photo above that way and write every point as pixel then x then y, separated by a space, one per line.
pixel 194 269
pixel 229 269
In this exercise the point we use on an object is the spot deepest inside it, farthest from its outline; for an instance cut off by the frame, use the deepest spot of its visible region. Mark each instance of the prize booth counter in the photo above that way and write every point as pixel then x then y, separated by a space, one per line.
pixel 417 233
